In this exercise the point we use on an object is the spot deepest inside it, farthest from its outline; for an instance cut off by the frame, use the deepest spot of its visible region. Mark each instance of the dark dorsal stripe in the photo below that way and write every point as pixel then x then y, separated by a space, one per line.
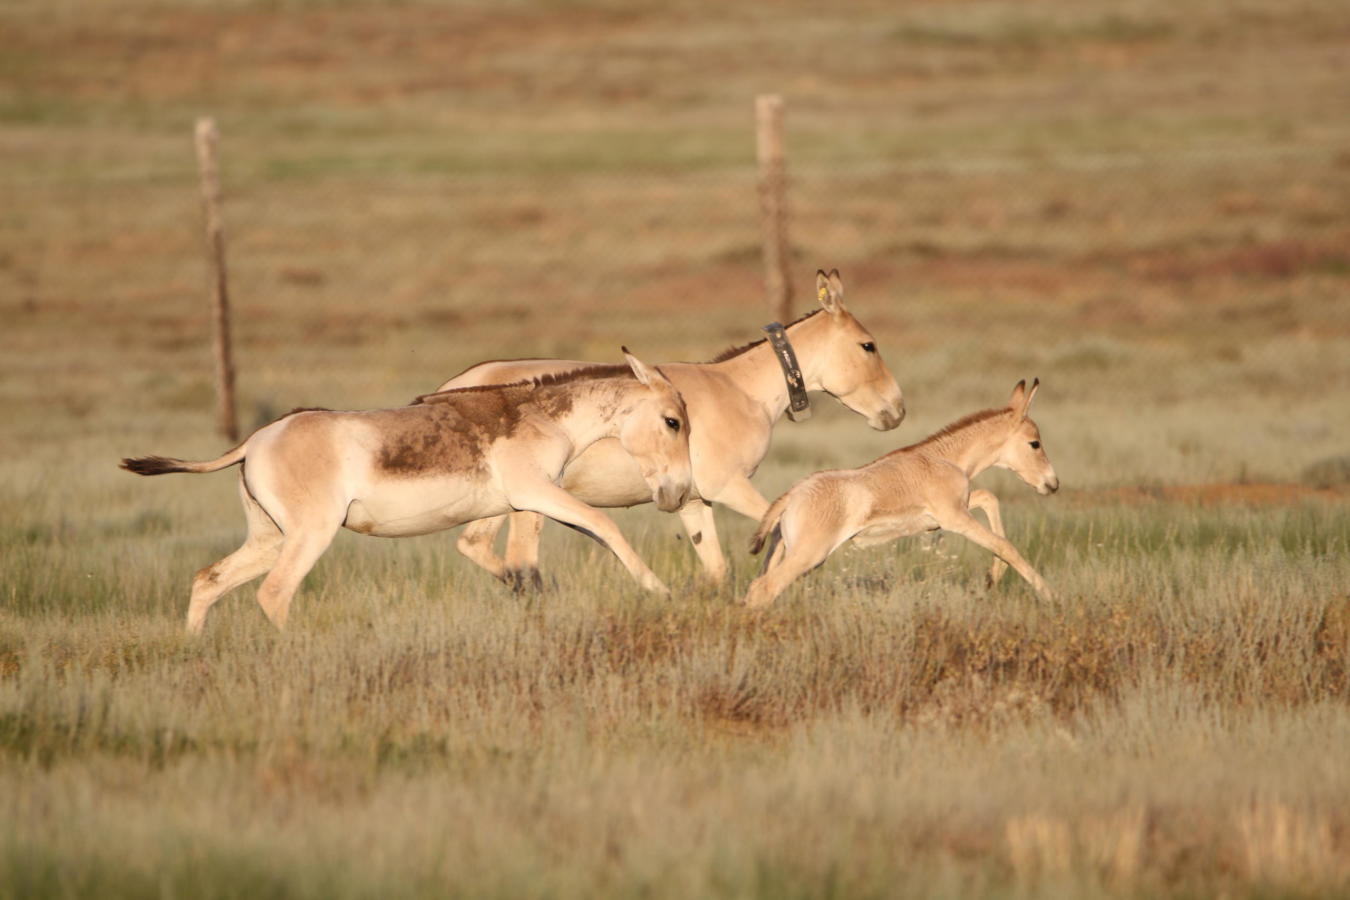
pixel 588 373
pixel 732 352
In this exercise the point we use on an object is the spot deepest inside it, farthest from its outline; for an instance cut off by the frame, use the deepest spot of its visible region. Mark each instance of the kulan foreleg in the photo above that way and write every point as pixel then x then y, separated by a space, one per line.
pixel 961 522
pixel 982 499
pixel 547 498
pixel 697 518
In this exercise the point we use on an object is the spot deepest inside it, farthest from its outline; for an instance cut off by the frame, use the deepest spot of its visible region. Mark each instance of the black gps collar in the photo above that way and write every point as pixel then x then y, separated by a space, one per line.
pixel 799 405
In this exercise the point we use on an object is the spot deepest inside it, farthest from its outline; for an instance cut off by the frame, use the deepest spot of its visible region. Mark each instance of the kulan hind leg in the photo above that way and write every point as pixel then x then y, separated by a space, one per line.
pixel 299 553
pixel 982 499
pixel 522 551
pixel 310 528
pixel 475 543
pixel 800 551
pixel 258 553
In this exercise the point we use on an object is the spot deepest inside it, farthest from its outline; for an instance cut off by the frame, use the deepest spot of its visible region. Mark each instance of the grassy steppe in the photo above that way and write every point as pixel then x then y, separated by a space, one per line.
pixel 1175 724
pixel 1143 204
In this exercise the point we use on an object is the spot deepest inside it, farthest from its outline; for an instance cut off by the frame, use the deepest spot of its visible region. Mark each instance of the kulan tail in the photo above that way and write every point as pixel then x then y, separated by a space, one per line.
pixel 162 465
pixel 768 523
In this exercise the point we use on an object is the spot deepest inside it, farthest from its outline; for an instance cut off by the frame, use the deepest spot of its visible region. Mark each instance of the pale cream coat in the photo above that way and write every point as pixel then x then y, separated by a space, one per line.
pixel 917 489
pixel 733 404
pixel 451 458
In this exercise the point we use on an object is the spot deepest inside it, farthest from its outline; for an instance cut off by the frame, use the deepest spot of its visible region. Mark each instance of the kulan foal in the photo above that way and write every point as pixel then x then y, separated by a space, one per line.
pixel 450 458
pixel 919 488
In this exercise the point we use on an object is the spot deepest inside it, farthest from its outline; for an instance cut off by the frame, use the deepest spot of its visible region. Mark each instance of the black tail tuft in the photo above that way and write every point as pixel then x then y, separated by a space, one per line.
pixel 153 465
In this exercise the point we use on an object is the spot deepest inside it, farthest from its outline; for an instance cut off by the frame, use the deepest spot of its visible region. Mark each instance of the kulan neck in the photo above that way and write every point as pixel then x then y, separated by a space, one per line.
pixel 759 375
pixel 972 448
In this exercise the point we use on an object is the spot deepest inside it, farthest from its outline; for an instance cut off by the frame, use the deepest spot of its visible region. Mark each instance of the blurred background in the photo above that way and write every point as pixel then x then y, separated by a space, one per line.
pixel 1146 204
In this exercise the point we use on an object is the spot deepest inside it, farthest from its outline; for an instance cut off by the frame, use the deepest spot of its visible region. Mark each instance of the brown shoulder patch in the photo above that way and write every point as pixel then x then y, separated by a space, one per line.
pixel 453 431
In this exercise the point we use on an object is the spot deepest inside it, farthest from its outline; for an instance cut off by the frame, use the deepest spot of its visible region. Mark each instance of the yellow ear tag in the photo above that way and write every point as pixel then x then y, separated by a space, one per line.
pixel 821 293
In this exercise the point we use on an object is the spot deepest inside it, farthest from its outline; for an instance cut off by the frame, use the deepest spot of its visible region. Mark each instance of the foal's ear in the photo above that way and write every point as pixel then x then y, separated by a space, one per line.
pixel 644 373
pixel 1020 401
pixel 830 291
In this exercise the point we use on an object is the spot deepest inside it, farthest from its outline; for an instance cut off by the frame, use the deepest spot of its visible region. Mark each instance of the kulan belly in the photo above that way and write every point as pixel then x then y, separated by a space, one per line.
pixel 893 527
pixel 421 506
pixel 606 476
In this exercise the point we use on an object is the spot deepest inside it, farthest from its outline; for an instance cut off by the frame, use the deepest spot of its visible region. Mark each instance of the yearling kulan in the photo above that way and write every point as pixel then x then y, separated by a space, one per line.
pixel 733 403
pixel 919 488
pixel 449 458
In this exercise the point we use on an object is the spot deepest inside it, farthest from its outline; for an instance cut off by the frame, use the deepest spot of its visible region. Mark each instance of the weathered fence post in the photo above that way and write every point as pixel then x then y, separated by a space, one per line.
pixel 207 139
pixel 772 204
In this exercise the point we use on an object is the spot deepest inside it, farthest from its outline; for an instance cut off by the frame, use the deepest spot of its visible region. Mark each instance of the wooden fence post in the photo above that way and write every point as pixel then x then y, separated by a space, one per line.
pixel 207 139
pixel 773 205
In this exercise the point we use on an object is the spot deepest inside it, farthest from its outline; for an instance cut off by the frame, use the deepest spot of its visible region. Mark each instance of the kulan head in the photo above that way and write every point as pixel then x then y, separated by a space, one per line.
pixel 1022 450
pixel 851 368
pixel 655 432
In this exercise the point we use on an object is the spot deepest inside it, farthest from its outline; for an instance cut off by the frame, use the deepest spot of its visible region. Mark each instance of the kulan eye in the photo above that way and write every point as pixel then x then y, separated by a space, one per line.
pixel 868 347
pixel 672 424
pixel 1035 445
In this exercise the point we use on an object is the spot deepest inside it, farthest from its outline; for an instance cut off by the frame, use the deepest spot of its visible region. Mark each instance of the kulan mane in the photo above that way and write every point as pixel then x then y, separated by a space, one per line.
pixel 732 352
pixel 588 373
pixel 959 425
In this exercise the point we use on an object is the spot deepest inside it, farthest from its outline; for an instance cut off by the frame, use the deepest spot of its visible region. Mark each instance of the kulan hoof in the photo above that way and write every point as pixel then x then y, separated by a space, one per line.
pixel 524 581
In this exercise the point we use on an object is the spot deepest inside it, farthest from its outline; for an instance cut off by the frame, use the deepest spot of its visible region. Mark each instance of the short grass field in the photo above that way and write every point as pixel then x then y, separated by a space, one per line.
pixel 1144 204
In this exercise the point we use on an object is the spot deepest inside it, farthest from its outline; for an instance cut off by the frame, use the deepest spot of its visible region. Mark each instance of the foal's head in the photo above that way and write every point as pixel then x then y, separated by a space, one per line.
pixel 850 367
pixel 1022 450
pixel 655 433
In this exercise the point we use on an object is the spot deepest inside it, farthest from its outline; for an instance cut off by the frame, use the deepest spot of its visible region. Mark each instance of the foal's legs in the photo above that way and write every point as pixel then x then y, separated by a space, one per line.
pixel 257 554
pixel 792 556
pixel 982 499
pixel 796 561
pixel 963 523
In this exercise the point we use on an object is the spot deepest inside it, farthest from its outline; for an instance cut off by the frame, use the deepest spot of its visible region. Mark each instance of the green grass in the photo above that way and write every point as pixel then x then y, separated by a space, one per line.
pixel 420 730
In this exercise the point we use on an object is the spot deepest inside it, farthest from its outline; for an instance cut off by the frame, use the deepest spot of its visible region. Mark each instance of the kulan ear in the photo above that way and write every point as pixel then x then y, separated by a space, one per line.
pixel 830 291
pixel 1031 395
pixel 644 373
pixel 1020 401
